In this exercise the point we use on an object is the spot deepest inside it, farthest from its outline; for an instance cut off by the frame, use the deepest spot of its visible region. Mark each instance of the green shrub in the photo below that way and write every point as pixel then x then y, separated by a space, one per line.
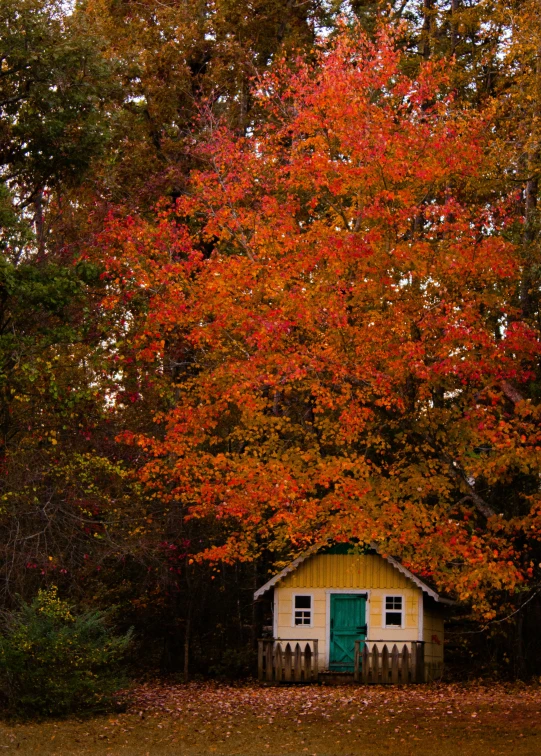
pixel 55 662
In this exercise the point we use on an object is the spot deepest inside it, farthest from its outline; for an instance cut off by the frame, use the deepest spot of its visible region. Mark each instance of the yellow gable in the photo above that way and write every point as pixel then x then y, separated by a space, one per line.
pixel 346 571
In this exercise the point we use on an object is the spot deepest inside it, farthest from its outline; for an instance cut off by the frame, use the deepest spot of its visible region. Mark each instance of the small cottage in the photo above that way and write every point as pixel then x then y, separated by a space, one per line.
pixel 342 613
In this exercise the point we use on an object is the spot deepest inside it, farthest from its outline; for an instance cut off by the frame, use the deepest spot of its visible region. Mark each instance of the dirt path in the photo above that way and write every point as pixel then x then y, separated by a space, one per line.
pixel 221 720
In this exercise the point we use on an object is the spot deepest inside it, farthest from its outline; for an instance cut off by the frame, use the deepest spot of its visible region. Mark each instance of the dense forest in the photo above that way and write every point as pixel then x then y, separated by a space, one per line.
pixel 270 276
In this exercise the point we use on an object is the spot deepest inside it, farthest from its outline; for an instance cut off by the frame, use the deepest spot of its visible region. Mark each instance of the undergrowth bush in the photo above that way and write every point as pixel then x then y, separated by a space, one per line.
pixel 54 661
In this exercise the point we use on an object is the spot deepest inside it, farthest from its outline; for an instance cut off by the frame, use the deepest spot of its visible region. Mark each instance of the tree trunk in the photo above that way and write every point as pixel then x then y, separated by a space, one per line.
pixel 187 637
pixel 520 665
pixel 39 222
pixel 531 191
pixel 426 32
pixel 455 4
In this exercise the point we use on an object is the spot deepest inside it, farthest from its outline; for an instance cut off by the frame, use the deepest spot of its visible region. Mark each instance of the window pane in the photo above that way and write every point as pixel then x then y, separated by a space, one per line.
pixel 393 602
pixel 302 618
pixel 393 618
pixel 303 602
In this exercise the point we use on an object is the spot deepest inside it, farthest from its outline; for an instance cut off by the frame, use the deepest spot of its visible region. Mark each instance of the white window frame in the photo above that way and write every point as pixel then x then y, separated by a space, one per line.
pixel 402 611
pixel 311 596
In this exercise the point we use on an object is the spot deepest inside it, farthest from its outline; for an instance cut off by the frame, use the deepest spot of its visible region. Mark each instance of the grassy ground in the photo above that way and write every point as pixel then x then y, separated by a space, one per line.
pixel 248 720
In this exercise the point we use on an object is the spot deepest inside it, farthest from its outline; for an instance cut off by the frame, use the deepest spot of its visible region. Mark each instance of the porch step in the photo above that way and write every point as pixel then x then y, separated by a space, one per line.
pixel 335 678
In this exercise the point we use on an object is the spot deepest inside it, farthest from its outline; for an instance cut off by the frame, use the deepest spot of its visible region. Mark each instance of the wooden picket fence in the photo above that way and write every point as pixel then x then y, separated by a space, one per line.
pixel 294 660
pixel 378 663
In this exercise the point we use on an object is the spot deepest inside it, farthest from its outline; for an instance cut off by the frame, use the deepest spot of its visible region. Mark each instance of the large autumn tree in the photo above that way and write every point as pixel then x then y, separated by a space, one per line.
pixel 247 298
pixel 337 297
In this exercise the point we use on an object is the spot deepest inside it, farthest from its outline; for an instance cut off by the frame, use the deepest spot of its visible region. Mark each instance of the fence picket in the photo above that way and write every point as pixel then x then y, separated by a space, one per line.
pixel 268 663
pixel 385 665
pixel 298 663
pixel 405 667
pixel 420 663
pixel 287 665
pixel 365 665
pixel 278 662
pixel 375 664
pixel 394 665
pixel 413 663
pixel 307 662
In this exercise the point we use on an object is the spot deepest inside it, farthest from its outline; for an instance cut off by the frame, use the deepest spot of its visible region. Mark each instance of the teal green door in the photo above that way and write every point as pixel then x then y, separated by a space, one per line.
pixel 348 624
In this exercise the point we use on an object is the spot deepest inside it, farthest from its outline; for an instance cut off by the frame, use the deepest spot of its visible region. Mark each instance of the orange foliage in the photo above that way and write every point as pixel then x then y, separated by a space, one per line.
pixel 341 315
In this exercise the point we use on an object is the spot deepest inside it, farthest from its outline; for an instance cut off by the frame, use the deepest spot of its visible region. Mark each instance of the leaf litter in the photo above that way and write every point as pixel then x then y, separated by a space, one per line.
pixel 248 719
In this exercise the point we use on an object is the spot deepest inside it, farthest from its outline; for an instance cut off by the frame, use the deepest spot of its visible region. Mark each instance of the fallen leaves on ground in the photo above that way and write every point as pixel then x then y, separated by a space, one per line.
pixel 211 718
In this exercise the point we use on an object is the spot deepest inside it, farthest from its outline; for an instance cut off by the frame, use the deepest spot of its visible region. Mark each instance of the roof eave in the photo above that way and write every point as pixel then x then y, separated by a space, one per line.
pixel 292 566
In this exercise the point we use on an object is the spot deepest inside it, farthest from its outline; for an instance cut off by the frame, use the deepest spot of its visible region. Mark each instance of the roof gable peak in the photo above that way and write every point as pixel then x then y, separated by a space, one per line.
pixel 316 548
